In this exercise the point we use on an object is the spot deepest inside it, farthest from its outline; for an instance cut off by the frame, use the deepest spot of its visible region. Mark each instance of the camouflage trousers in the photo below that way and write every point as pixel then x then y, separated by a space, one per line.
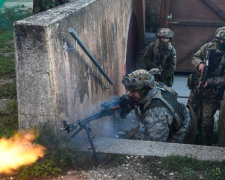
pixel 205 114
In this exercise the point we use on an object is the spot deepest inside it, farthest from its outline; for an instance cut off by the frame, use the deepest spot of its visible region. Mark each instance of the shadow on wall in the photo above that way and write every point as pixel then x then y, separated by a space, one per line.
pixel 132 45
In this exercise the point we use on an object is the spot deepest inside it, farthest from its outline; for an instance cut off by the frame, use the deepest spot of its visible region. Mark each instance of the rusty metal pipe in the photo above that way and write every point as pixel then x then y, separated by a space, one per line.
pixel 88 53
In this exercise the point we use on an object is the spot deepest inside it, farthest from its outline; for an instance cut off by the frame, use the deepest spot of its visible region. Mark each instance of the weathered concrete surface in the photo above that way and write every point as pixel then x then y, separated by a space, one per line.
pixel 159 149
pixel 57 82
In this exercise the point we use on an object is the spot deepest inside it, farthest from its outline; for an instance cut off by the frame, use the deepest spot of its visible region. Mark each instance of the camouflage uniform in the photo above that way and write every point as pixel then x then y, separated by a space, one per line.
pixel 162 56
pixel 43 5
pixel 213 92
pixel 163 117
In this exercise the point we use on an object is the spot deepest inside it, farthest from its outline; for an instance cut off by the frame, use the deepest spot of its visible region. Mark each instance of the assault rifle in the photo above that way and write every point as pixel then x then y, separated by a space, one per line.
pixel 203 81
pixel 107 108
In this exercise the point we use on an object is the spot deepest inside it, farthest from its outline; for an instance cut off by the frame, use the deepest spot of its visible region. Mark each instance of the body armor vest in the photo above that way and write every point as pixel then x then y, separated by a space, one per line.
pixel 167 98
pixel 160 56
pixel 215 61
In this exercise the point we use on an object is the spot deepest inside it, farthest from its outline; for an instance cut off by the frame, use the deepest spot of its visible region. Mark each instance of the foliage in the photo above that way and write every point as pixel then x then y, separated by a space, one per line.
pixel 1 3
pixel 11 14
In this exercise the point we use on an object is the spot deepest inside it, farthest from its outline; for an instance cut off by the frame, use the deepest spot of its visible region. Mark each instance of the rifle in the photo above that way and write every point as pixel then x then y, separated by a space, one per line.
pixel 107 108
pixel 203 80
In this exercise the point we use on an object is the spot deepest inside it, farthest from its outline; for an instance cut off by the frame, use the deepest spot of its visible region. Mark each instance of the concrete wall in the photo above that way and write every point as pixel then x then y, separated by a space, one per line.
pixel 55 82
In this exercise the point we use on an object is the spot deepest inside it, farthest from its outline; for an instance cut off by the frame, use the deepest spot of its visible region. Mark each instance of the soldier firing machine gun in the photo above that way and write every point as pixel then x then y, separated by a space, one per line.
pixel 107 108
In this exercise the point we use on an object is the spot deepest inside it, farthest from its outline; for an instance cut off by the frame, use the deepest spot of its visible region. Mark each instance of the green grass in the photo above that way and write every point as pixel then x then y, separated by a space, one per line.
pixel 6 44
pixel 8 49
pixel 6 35
pixel 9 122
pixel 7 67
pixel 8 91
pixel 9 119
pixel 187 168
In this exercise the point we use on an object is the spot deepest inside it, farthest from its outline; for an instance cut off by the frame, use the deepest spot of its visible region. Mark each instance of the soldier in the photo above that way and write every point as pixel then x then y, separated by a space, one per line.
pixel 156 106
pixel 162 55
pixel 213 89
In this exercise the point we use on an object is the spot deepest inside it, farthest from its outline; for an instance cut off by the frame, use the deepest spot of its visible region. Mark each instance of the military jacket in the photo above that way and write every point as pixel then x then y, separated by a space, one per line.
pixel 216 67
pixel 164 118
pixel 162 57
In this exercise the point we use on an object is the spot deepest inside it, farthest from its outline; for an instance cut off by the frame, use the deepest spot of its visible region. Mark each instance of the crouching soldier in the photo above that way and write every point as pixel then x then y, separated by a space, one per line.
pixel 156 106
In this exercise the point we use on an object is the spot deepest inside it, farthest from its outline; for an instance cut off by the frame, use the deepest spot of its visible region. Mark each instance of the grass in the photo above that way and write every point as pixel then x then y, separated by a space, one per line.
pixel 7 67
pixel 9 122
pixel 8 91
pixel 9 118
pixel 187 168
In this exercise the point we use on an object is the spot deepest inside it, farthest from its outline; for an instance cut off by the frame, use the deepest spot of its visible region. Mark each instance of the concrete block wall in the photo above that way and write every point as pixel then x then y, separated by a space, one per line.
pixel 55 81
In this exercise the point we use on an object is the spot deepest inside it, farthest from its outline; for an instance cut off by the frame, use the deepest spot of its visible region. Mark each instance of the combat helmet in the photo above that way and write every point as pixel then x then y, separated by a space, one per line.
pixel 220 33
pixel 138 79
pixel 165 32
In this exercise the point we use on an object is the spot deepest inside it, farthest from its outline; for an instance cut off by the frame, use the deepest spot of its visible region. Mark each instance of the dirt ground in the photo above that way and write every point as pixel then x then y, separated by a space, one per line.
pixel 116 168
pixel 120 168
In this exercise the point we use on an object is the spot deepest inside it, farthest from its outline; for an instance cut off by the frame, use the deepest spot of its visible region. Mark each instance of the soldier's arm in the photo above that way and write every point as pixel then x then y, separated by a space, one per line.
pixel 148 57
pixel 171 65
pixel 200 56
pixel 156 122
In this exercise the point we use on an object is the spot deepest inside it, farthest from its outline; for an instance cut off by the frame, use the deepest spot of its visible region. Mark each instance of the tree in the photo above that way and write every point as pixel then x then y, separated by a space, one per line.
pixel 43 5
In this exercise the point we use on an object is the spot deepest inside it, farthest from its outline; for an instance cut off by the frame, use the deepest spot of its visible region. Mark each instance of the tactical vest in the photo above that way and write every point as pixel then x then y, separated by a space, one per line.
pixel 158 59
pixel 216 63
pixel 167 97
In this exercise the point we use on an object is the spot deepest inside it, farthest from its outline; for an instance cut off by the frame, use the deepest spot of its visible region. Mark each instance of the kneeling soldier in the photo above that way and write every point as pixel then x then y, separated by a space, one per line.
pixel 156 106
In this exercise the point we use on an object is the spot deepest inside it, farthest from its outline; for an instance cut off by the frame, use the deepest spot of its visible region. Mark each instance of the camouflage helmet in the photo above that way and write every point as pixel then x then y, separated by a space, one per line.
pixel 220 33
pixel 138 79
pixel 165 32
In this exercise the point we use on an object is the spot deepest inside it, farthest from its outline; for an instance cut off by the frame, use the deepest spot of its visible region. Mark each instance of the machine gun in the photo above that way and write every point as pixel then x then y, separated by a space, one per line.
pixel 107 108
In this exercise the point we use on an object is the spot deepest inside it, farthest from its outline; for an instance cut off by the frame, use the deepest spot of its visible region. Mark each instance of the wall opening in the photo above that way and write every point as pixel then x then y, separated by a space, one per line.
pixel 132 45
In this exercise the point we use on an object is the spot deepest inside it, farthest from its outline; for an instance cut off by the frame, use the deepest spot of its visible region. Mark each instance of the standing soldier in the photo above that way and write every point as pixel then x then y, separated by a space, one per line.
pixel 162 55
pixel 213 90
